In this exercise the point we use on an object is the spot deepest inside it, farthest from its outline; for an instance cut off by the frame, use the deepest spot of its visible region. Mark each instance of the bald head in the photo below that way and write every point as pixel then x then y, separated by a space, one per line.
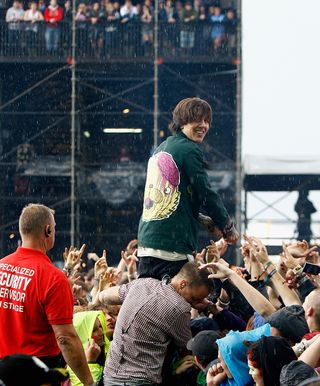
pixel 311 306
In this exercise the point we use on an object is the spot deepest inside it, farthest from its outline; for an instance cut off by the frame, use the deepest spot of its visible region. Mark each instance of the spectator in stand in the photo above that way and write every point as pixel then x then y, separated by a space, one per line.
pixel 116 6
pixel 203 33
pixel 231 29
pixel 196 5
pixel 129 15
pixel 188 20
pixel 67 20
pixel 32 17
pixel 179 8
pixel 14 18
pixel 168 13
pixel 67 14
pixel 36 306
pixel 42 6
pixel 53 15
pixel 110 18
pixel 169 17
pixel 94 32
pixel 82 24
pixel 128 12
pixel 218 28
pixel 147 29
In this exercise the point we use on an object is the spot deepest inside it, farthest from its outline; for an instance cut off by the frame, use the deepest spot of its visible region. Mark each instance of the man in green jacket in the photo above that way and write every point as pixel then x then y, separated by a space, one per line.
pixel 177 186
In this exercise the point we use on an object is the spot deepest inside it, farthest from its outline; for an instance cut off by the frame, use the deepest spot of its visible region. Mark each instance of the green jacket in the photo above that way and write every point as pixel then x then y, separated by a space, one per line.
pixel 177 186
pixel 83 323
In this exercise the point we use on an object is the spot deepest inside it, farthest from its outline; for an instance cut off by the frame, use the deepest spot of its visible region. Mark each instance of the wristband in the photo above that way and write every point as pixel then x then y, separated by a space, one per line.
pixel 267 279
pixel 223 304
pixel 268 264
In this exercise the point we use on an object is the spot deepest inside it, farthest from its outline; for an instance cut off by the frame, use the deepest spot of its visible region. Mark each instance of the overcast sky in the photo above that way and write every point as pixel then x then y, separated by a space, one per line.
pixel 281 87
pixel 281 77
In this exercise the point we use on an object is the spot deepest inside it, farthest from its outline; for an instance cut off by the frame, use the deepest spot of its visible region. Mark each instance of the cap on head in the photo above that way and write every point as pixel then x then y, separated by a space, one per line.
pixel 204 344
pixel 296 372
pixel 290 321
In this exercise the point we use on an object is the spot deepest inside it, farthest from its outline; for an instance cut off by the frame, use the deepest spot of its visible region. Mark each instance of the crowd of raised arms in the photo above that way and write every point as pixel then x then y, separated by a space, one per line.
pixel 262 319
pixel 260 323
pixel 103 27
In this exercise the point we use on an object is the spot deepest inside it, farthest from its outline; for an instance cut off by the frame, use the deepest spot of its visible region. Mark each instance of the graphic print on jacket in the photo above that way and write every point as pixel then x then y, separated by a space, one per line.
pixel 161 195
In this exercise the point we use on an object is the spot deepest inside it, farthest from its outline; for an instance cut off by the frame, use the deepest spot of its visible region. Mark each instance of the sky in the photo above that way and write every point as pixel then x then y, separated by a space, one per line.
pixel 281 87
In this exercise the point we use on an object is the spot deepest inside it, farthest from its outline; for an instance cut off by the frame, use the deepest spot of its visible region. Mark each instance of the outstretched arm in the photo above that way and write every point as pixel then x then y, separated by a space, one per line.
pixel 254 297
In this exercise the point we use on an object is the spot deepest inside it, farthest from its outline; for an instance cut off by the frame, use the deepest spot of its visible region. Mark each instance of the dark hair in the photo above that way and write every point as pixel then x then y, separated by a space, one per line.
pixel 190 110
pixel 195 276
pixel 270 354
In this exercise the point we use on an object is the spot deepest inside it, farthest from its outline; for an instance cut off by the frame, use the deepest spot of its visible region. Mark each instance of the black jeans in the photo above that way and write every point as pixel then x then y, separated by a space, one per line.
pixel 153 267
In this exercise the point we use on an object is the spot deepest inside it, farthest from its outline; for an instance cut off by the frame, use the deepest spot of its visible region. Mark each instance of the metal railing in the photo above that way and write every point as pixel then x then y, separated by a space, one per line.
pixel 108 41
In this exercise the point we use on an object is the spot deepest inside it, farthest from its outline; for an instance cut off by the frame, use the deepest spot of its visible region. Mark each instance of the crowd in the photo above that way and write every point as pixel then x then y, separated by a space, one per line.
pixel 104 27
pixel 254 324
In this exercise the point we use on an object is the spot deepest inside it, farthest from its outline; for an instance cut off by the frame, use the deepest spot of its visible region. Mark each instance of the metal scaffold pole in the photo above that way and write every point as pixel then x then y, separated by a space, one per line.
pixel 156 75
pixel 239 127
pixel 73 126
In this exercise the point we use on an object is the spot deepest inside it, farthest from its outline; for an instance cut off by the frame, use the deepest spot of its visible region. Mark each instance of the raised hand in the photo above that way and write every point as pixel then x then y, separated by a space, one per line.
pixel 132 246
pixel 101 265
pixel 213 254
pixel 76 291
pixel 287 258
pixel 92 351
pixel 72 256
pixel 222 246
pixel 215 375
pixel 201 256
pixel 127 258
pixel 300 249
pixel 108 279
pixel 257 248
pixel 219 270
pixel 185 364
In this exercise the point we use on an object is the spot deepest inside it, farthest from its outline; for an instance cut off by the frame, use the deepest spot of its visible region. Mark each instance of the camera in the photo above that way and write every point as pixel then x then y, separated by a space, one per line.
pixel 313 269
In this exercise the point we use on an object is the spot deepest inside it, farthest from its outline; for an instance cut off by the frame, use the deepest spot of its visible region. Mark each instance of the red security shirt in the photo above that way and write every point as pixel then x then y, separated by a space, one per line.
pixel 34 294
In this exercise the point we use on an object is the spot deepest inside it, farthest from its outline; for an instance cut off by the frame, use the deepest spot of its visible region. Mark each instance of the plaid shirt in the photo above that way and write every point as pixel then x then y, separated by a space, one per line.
pixel 153 314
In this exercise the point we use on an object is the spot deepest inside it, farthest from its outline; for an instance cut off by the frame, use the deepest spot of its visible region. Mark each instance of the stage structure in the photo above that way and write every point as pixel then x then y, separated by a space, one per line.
pixel 77 129
pixel 277 174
